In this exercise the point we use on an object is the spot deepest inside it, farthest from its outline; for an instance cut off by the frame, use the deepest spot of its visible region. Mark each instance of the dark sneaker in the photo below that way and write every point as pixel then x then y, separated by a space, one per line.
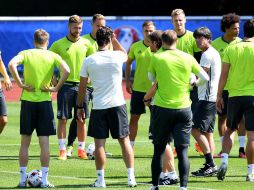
pixel 154 188
pixel 206 171
pixel 222 171
pixel 167 181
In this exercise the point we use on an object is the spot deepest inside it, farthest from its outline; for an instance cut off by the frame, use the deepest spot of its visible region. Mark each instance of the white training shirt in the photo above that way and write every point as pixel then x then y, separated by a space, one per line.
pixel 104 68
pixel 210 59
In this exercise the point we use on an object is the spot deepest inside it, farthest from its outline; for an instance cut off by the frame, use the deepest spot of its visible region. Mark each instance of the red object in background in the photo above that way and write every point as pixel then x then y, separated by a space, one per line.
pixel 14 94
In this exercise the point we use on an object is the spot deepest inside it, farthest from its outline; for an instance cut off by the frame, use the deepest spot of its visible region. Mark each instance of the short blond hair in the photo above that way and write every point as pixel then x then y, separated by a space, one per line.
pixel 177 12
pixel 75 19
pixel 41 36
pixel 97 16
pixel 148 23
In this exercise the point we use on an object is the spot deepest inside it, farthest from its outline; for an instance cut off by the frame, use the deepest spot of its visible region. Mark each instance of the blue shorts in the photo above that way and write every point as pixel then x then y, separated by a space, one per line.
pixel 67 99
pixel 3 110
pixel 38 116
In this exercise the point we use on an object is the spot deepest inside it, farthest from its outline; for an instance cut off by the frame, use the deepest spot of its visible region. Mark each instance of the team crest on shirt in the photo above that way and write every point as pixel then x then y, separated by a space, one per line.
pixel 127 35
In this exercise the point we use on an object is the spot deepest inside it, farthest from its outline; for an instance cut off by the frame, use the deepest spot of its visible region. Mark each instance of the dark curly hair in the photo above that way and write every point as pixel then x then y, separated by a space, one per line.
pixel 248 28
pixel 104 35
pixel 228 20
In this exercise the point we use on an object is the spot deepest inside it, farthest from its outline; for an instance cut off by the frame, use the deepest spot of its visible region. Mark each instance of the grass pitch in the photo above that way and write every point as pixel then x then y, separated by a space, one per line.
pixel 79 174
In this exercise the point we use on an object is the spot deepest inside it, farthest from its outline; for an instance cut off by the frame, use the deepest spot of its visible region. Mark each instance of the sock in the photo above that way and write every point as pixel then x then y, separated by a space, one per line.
pixel 23 173
pixel 163 175
pixel 224 158
pixel 131 175
pixel 100 176
pixel 241 140
pixel 221 139
pixel 209 159
pixel 132 143
pixel 251 169
pixel 61 143
pixel 44 178
pixel 172 175
pixel 81 145
pixel 241 149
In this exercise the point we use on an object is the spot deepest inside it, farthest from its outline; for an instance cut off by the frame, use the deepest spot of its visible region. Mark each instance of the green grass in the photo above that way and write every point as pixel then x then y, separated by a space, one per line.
pixel 79 174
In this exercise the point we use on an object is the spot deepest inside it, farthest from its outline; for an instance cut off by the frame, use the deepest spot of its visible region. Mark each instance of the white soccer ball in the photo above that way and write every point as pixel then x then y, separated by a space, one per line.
pixel 34 178
pixel 90 151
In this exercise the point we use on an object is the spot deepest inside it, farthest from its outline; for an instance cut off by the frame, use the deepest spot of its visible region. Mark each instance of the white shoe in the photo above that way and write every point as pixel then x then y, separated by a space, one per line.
pixel 154 188
pixel 250 177
pixel 132 183
pixel 183 188
pixel 96 184
pixel 69 151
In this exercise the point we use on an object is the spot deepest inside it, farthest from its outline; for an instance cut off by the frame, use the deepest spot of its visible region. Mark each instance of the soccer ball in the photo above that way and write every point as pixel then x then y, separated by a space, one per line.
pixel 90 151
pixel 34 178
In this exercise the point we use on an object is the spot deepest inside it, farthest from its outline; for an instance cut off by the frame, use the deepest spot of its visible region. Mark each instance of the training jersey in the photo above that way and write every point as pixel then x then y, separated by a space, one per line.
pixel 94 45
pixel 39 65
pixel 172 70
pixel 208 90
pixel 104 68
pixel 240 56
pixel 73 53
pixel 220 45
pixel 187 43
pixel 142 54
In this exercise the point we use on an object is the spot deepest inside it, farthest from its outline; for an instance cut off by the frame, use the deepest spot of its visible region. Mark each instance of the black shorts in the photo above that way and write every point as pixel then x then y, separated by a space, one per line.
pixel 38 116
pixel 204 116
pixel 225 100
pixel 67 99
pixel 3 110
pixel 113 119
pixel 238 107
pixel 175 122
pixel 137 104
pixel 194 98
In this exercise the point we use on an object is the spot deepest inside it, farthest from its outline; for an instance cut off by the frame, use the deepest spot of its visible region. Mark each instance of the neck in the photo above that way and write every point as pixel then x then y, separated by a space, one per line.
pixel 40 47
pixel 180 32
pixel 71 38
pixel 104 48
pixel 169 47
pixel 93 34
pixel 229 38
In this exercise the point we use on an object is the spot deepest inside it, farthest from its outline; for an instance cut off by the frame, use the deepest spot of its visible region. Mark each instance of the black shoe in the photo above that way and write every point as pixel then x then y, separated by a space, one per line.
pixel 206 171
pixel 222 172
pixel 167 181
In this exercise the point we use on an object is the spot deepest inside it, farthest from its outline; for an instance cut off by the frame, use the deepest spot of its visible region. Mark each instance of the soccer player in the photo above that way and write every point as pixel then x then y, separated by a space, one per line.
pixel 172 115
pixel 140 52
pixel 230 27
pixel 186 43
pixel 204 116
pixel 104 68
pixel 73 49
pixel 168 174
pixel 98 21
pixel 36 104
pixel 8 86
pixel 238 66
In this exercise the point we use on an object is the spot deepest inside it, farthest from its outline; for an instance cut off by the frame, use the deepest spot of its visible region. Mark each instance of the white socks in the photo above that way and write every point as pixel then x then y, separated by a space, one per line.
pixel 224 158
pixel 61 143
pixel 44 178
pixel 81 145
pixel 172 175
pixel 23 174
pixel 132 143
pixel 100 176
pixel 131 176
pixel 241 140
pixel 163 175
pixel 251 169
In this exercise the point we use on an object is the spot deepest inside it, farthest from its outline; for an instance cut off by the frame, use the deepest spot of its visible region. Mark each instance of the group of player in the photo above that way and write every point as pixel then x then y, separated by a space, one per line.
pixel 167 76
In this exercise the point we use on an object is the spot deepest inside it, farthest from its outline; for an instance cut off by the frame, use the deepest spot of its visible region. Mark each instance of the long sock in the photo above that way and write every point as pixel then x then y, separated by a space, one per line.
pixel 172 175
pixel 241 140
pixel 22 172
pixel 183 164
pixel 209 159
pixel 224 158
pixel 81 145
pixel 251 169
pixel 157 162
pixel 100 176
pixel 132 143
pixel 131 175
pixel 61 143
pixel 44 178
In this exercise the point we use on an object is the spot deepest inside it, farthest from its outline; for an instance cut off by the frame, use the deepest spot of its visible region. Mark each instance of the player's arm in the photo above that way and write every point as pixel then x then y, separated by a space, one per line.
pixel 151 92
pixel 202 78
pixel 116 45
pixel 222 83
pixel 128 74
pixel 7 81
pixel 81 97
pixel 13 64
